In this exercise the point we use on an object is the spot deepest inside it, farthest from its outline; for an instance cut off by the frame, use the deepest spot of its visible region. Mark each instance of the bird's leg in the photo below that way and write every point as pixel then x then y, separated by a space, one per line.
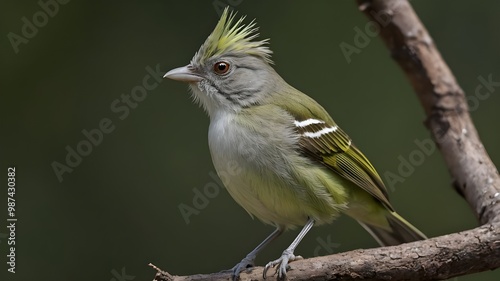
pixel 249 260
pixel 282 262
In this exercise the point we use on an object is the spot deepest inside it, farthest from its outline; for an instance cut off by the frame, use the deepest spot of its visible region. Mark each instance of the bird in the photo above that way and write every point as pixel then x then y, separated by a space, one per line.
pixel 296 166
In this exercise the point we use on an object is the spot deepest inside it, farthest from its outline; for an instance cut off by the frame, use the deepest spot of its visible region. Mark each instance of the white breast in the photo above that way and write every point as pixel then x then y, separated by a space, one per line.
pixel 254 168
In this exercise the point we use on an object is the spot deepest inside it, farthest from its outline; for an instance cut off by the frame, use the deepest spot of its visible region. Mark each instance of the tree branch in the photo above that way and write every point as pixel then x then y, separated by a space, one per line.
pixel 474 175
pixel 438 258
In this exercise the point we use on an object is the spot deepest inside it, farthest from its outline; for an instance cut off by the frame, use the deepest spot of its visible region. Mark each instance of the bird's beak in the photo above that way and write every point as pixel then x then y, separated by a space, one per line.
pixel 184 74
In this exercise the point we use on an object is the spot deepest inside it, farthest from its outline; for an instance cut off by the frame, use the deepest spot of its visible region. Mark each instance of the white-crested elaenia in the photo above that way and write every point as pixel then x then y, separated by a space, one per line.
pixel 296 167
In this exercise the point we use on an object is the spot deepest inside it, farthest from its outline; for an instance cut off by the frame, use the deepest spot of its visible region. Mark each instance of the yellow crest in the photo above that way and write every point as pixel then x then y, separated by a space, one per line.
pixel 227 38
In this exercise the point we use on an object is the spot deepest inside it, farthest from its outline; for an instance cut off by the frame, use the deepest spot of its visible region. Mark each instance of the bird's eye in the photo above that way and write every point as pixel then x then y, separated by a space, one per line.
pixel 221 67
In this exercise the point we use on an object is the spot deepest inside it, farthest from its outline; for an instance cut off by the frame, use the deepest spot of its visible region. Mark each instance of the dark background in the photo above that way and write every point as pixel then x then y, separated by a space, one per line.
pixel 119 208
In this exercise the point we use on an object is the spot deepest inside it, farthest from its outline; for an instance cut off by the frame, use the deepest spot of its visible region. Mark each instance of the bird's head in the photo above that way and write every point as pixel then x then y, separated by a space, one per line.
pixel 229 71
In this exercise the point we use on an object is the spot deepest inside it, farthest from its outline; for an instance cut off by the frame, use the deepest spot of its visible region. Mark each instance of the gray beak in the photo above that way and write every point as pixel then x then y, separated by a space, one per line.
pixel 184 74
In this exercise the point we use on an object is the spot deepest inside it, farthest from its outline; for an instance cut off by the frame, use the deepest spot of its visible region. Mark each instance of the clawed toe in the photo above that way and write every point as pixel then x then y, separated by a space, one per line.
pixel 245 264
pixel 281 265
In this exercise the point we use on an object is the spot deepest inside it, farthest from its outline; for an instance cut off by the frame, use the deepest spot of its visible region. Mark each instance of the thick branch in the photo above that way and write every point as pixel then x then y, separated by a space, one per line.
pixel 437 258
pixel 473 173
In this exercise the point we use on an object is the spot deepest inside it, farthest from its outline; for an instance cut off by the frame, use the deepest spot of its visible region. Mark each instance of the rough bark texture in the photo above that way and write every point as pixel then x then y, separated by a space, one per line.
pixel 433 259
pixel 474 175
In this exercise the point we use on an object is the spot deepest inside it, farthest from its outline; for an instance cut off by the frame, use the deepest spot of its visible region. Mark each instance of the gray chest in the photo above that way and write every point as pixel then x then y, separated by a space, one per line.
pixel 251 144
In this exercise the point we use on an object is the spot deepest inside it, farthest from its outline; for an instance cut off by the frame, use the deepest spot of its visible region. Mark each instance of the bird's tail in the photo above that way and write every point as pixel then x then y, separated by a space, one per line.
pixel 395 232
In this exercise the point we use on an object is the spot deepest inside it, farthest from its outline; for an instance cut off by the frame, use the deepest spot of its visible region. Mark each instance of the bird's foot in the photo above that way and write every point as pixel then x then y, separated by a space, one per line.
pixel 281 264
pixel 245 264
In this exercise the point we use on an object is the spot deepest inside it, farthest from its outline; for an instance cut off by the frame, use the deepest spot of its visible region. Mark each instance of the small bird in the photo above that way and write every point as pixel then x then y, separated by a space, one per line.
pixel 296 166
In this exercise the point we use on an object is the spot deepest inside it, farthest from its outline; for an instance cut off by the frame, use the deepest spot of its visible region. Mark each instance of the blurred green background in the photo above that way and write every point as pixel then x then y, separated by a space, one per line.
pixel 118 209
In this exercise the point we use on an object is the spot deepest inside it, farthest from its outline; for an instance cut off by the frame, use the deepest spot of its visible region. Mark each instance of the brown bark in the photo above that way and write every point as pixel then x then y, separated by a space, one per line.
pixel 474 175
pixel 438 258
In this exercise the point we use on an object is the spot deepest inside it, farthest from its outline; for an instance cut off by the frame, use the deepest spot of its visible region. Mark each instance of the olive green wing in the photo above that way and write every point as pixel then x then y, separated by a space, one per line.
pixel 327 143
pixel 323 141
